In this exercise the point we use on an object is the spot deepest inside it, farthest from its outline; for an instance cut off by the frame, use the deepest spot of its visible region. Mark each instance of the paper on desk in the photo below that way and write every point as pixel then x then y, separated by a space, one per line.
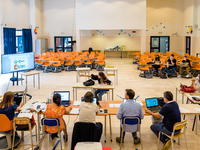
pixel 77 103
pixel 114 105
pixel 139 103
pixel 26 109
pixel 183 110
pixel 43 106
pixel 29 115
pixel 197 109
pixel 190 96
pixel 74 111
pixel 101 85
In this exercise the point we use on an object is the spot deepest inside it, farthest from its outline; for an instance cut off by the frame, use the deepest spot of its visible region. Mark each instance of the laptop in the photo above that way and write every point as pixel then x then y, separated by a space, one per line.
pixel 65 97
pixel 94 100
pixel 152 104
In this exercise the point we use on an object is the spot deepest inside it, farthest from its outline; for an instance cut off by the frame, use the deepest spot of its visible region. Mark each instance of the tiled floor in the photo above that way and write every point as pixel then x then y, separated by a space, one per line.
pixel 128 78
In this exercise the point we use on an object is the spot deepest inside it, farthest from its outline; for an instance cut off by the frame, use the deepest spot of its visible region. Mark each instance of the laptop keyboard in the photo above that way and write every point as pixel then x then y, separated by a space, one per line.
pixel 155 109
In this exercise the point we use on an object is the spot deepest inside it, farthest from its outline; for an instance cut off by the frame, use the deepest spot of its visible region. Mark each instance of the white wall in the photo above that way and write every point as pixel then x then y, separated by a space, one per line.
pixel 110 14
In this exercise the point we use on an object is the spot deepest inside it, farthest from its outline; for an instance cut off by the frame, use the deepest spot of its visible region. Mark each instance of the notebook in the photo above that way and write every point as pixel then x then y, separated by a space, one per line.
pixel 152 104
pixel 65 97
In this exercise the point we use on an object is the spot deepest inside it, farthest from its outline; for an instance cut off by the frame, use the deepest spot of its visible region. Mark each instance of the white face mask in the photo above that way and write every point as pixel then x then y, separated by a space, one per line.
pixel 171 57
pixel 184 58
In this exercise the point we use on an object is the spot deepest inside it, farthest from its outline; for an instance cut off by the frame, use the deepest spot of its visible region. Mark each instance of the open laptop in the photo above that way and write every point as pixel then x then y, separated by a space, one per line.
pixel 94 100
pixel 65 97
pixel 152 104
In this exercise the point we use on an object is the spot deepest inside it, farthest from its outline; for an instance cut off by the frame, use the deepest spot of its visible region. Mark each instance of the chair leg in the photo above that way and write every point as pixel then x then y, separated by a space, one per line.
pixel 172 142
pixel 141 140
pixel 60 140
pixel 31 140
pixel 13 143
pixel 36 132
pixel 186 142
pixel 179 141
pixel 158 140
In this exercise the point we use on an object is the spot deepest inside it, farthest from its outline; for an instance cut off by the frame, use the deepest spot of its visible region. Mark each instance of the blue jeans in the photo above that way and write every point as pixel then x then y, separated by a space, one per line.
pixel 99 93
pixel 170 71
pixel 156 128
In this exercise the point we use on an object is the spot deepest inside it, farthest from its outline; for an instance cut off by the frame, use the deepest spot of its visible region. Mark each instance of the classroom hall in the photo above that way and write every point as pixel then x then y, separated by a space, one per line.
pixel 133 25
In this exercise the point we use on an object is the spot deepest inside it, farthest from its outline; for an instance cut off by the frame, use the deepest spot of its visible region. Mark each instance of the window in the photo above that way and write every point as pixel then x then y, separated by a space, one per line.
pixel 62 44
pixel 19 41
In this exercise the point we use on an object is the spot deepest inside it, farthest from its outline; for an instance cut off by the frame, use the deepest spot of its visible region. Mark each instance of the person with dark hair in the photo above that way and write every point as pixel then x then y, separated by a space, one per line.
pixel 187 63
pixel 90 50
pixel 157 63
pixel 56 110
pixel 171 113
pixel 129 108
pixel 171 64
pixel 8 107
pixel 102 79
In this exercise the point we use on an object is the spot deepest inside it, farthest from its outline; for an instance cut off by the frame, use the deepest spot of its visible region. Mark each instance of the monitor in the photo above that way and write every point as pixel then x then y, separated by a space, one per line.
pixel 94 99
pixel 151 102
pixel 65 95
pixel 17 62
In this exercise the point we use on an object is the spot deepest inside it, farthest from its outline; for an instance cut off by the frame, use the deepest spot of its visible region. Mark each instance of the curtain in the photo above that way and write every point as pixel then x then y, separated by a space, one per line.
pixel 9 38
pixel 27 40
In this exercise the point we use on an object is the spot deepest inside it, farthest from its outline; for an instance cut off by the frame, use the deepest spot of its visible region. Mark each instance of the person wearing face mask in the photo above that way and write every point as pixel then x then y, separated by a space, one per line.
pixel 156 64
pixel 171 65
pixel 196 83
pixel 185 62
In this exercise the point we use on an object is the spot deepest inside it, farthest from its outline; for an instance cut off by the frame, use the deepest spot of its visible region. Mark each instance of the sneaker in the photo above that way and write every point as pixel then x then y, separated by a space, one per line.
pixel 136 141
pixel 118 140
pixel 179 76
pixel 167 145
pixel 188 76
pixel 53 135
pixel 65 139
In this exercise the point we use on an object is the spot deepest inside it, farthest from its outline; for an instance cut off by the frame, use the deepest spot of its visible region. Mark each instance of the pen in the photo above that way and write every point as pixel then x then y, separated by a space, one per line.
pixel 137 97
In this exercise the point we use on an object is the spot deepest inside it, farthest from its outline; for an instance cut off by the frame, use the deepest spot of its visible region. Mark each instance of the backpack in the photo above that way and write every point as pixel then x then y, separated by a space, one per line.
pixel 89 82
pixel 187 89
pixel 148 75
pixel 161 101
pixel 163 75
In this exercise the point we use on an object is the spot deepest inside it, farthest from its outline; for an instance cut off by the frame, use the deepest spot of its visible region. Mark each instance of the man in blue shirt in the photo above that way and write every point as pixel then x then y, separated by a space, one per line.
pixel 171 113
pixel 130 108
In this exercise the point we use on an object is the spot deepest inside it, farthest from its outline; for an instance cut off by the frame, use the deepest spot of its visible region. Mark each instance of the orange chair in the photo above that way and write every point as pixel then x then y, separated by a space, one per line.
pixel 77 62
pixel 5 128
pixel 56 65
pixel 144 68
pixel 69 64
pixel 47 65
pixel 100 63
pixel 39 63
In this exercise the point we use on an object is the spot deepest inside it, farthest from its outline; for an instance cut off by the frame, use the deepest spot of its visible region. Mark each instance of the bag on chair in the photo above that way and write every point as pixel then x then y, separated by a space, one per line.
pixel 163 75
pixel 89 82
pixel 187 89
pixel 148 75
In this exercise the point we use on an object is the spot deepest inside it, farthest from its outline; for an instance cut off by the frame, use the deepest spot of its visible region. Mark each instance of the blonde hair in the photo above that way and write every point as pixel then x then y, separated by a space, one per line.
pixel 8 98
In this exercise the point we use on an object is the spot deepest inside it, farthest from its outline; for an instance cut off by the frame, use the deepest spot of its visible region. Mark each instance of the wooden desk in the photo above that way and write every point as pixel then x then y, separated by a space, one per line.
pixel 114 54
pixel 115 70
pixel 134 51
pixel 82 70
pixel 92 88
pixel 93 50
pixel 31 73
pixel 19 89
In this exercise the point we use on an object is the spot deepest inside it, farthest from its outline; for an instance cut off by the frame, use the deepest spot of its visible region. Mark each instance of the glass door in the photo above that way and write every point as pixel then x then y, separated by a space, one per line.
pixel 159 44
pixel 62 44
pixel 155 44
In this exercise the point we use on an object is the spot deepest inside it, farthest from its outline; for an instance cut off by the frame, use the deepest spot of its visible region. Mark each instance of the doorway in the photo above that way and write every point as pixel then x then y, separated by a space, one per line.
pixel 188 43
pixel 62 44
pixel 159 44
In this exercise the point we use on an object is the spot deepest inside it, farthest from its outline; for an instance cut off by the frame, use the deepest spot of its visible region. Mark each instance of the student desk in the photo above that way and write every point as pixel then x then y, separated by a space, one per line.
pixel 115 70
pixel 92 88
pixel 82 70
pixel 19 89
pixel 32 73
pixel 114 110
pixel 191 100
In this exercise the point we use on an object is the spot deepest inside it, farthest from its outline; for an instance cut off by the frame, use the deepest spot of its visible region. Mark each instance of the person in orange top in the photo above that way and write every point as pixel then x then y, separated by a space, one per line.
pixel 56 110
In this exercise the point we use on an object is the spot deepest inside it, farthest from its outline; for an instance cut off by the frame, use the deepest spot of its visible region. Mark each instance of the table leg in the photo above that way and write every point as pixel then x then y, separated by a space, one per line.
pixel 110 128
pixel 73 94
pixel 117 76
pixel 38 119
pixel 196 124
pixel 176 94
pixel 38 81
pixel 25 93
pixel 182 98
pixel 76 93
pixel 21 80
pixel 105 129
pixel 112 94
pixel 77 74
pixel 26 83
pixel 33 80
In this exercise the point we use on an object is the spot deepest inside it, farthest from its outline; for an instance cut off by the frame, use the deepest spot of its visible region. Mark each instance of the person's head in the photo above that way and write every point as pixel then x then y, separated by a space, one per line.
pixel 168 96
pixel 88 97
pixel 102 76
pixel 129 94
pixel 172 56
pixel 57 99
pixel 157 58
pixel 8 98
pixel 185 58
pixel 90 49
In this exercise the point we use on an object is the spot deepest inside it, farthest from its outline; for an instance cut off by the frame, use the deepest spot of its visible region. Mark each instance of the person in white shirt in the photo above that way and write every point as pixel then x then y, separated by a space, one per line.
pixel 196 83
pixel 88 111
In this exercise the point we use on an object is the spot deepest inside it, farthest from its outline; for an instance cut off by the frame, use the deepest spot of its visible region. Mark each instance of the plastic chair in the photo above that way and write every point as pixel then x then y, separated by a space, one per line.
pixel 50 122
pixel 78 62
pixel 177 126
pixel 69 64
pixel 23 121
pixel 132 120
pixel 56 65
pixel 39 63
pixel 100 63
pixel 47 65
pixel 5 128
pixel 144 67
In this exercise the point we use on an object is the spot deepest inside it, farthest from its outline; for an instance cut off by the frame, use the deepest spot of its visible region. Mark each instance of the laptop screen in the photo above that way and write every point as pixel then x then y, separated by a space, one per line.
pixel 65 95
pixel 151 102
pixel 94 99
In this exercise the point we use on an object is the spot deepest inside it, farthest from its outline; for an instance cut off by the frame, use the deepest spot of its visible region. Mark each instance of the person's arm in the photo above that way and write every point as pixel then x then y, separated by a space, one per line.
pixel 141 113
pixel 84 75
pixel 156 115
pixel 195 87
pixel 168 63
pixel 19 107
pixel 120 113
pixel 68 109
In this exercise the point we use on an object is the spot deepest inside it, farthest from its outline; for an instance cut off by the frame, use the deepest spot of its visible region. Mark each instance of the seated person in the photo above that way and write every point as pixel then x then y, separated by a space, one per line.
pixel 157 63
pixel 8 107
pixel 196 83
pixel 56 110
pixel 185 62
pixel 171 64
pixel 129 108
pixel 171 113
pixel 88 111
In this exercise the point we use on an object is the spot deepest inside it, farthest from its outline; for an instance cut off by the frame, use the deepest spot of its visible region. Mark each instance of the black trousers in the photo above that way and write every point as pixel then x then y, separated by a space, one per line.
pixel 100 128
pixel 156 67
